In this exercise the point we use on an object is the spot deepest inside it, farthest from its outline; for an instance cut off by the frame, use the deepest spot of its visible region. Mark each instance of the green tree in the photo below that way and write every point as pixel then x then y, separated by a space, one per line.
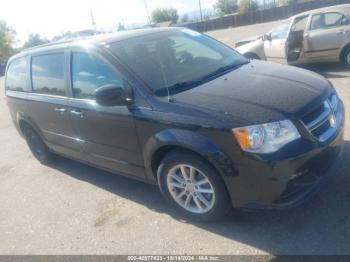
pixel 121 27
pixel 7 40
pixel 34 40
pixel 287 2
pixel 225 7
pixel 165 14
pixel 248 5
pixel 63 35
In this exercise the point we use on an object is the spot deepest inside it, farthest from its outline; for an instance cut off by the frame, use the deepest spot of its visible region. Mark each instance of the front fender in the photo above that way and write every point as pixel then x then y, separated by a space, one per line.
pixel 255 47
pixel 189 140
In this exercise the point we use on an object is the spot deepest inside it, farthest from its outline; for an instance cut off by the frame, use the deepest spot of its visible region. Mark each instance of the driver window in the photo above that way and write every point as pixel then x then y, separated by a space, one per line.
pixel 281 32
pixel 90 73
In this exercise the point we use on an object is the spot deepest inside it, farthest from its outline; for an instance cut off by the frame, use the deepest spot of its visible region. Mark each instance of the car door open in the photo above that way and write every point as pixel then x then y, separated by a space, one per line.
pixel 275 43
pixel 295 42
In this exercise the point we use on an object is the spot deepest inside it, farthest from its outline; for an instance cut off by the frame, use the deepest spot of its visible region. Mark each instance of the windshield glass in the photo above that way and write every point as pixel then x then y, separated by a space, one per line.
pixel 176 60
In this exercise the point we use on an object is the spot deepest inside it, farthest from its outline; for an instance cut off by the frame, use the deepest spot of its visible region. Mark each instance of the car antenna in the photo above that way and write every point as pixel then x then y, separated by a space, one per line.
pixel 169 96
pixel 166 86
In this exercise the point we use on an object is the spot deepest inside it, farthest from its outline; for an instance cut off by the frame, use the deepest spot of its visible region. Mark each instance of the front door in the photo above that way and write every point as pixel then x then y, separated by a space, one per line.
pixel 275 43
pixel 327 34
pixel 108 133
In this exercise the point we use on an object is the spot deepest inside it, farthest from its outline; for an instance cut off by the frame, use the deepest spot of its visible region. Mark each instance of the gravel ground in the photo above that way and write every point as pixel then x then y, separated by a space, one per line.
pixel 71 208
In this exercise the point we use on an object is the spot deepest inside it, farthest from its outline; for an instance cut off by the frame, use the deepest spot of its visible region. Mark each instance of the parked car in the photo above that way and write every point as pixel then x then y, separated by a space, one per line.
pixel 320 35
pixel 177 109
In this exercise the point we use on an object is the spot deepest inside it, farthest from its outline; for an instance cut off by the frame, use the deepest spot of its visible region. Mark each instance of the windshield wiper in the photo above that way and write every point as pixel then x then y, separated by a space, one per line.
pixel 180 86
pixel 224 69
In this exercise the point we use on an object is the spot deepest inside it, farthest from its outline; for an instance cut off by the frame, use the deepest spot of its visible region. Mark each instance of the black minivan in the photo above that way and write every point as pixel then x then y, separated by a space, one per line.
pixel 179 109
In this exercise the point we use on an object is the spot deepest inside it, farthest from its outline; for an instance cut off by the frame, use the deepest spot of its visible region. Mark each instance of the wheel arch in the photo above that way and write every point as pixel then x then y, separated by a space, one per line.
pixel 23 120
pixel 167 140
pixel 345 47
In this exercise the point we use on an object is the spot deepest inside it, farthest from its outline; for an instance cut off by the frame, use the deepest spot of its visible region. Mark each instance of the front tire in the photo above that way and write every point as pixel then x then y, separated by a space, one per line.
pixel 192 186
pixel 37 146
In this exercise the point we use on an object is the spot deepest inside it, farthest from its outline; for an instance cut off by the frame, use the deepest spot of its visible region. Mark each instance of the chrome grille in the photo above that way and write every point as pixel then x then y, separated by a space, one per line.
pixel 324 121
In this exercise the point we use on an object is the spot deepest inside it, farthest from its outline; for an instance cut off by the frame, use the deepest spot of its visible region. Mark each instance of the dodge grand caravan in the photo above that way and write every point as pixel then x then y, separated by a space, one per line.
pixel 178 109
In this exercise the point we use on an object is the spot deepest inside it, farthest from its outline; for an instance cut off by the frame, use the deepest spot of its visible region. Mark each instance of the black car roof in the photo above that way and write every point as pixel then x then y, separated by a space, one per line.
pixel 95 40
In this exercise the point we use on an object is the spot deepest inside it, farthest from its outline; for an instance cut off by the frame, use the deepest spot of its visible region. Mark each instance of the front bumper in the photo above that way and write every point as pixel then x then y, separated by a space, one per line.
pixel 264 183
pixel 300 188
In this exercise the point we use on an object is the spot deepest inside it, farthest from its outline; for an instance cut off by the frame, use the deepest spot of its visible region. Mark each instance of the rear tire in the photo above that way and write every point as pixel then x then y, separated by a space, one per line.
pixel 37 146
pixel 345 57
pixel 200 194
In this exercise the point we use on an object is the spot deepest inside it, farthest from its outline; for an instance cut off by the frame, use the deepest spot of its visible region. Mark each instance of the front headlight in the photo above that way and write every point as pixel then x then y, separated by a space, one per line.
pixel 266 138
pixel 334 101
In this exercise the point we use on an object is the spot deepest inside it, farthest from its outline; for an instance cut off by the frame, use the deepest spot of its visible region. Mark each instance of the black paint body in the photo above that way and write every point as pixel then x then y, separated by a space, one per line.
pixel 132 139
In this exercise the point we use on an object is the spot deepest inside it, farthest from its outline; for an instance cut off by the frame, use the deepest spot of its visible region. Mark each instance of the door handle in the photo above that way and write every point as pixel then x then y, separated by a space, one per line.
pixel 60 110
pixel 342 32
pixel 77 113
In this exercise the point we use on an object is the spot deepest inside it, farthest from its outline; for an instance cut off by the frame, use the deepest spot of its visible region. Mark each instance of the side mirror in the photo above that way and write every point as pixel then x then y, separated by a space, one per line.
pixel 110 95
pixel 267 37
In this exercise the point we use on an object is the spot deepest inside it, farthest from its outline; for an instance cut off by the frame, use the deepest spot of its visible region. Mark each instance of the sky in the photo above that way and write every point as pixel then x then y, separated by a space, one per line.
pixel 51 17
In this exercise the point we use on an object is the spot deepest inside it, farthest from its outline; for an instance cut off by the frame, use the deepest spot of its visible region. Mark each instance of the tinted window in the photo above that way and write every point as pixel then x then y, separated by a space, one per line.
pixel 16 75
pixel 328 20
pixel 176 60
pixel 89 73
pixel 48 74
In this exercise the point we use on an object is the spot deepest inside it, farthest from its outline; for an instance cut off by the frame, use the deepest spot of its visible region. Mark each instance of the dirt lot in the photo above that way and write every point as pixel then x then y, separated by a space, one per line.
pixel 70 208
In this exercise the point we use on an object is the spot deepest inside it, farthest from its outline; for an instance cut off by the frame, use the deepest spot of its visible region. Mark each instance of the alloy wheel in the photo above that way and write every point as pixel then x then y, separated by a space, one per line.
pixel 191 188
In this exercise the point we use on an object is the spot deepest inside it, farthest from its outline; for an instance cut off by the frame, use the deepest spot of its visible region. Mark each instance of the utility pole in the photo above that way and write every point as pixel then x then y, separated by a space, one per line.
pixel 146 7
pixel 200 9
pixel 93 21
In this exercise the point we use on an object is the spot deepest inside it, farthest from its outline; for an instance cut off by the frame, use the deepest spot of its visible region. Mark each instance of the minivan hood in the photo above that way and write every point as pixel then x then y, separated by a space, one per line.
pixel 259 92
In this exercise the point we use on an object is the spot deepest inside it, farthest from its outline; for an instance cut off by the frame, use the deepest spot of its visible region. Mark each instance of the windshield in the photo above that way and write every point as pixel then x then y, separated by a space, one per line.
pixel 176 60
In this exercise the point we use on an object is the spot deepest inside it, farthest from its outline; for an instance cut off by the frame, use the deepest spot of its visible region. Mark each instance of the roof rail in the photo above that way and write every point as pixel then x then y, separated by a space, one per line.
pixel 49 44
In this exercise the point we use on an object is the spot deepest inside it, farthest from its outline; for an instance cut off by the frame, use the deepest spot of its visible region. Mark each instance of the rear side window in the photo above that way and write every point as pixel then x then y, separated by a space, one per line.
pixel 16 75
pixel 48 74
pixel 90 73
pixel 327 20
